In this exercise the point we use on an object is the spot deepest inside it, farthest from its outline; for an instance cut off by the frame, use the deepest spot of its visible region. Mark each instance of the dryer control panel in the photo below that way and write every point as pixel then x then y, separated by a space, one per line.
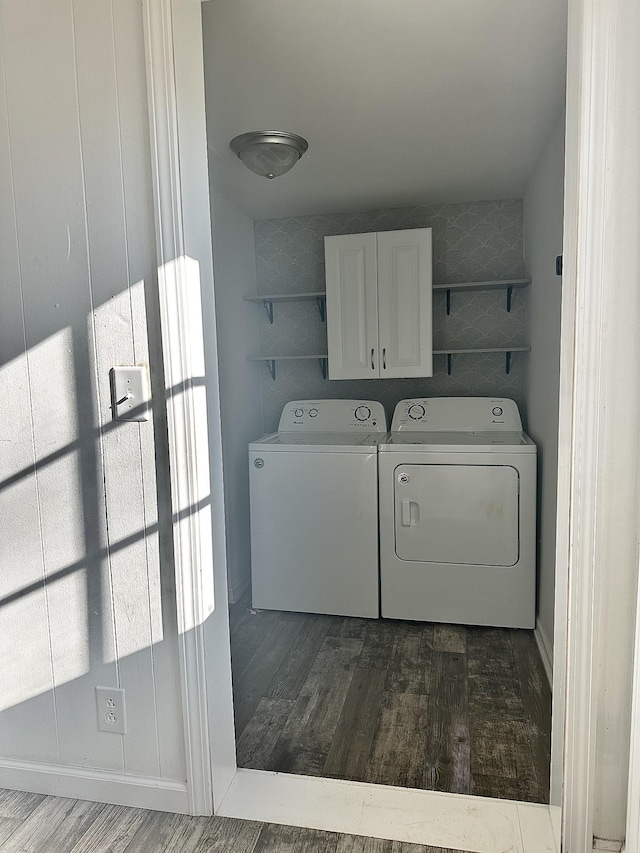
pixel 333 416
pixel 457 414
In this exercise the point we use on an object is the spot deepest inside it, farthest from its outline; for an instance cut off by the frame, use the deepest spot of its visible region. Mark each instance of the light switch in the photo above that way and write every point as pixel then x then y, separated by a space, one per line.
pixel 130 393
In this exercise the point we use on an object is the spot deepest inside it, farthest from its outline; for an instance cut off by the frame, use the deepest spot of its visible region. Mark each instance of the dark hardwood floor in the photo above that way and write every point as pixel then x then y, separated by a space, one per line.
pixel 442 707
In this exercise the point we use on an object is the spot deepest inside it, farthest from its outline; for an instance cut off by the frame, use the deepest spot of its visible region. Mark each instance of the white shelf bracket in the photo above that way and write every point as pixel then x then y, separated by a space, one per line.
pixel 322 304
pixel 268 307
pixel 271 364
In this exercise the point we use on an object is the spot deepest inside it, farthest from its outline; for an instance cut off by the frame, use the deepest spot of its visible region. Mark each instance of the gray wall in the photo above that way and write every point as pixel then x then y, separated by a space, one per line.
pixel 241 413
pixel 543 219
pixel 86 583
pixel 477 241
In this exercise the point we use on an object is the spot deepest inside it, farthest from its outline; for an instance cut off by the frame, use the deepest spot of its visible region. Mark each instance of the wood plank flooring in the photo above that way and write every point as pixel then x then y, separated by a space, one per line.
pixel 32 823
pixel 441 707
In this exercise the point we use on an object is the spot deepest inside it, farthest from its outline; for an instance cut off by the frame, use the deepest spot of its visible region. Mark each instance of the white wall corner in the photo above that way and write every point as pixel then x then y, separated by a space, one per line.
pixel 238 590
pixel 546 651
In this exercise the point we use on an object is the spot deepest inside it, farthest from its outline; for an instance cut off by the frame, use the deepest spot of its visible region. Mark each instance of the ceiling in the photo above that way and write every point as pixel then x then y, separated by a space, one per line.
pixel 403 102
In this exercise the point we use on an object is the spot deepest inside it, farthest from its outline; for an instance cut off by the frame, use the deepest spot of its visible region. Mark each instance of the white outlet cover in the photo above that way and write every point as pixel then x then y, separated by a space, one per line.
pixel 112 711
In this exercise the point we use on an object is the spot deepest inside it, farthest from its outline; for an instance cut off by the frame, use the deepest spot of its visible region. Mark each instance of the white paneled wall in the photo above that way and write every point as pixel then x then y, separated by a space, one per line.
pixel 85 576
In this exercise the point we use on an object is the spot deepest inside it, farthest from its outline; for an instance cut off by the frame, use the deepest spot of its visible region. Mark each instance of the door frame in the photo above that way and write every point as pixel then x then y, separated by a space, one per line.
pixel 598 459
pixel 175 89
pixel 602 37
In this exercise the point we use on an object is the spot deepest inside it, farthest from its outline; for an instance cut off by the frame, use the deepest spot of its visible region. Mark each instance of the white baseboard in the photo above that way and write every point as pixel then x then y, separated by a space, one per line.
pixel 546 651
pixel 99 786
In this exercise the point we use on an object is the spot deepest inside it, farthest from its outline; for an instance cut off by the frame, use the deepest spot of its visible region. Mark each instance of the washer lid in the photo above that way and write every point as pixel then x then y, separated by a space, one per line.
pixel 471 442
pixel 318 442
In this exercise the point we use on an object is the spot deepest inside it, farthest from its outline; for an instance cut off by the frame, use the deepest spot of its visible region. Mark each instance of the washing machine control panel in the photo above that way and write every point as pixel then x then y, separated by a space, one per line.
pixel 333 416
pixel 453 414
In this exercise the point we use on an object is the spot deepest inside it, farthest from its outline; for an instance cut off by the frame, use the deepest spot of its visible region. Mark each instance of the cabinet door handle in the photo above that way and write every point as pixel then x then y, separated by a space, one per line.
pixel 373 367
pixel 384 358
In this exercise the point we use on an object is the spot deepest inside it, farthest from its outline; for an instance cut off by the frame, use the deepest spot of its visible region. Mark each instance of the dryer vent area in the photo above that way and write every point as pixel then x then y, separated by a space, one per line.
pixel 414 704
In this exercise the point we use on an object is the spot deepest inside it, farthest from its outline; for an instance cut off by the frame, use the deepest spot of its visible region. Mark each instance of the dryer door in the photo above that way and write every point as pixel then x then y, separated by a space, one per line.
pixel 459 514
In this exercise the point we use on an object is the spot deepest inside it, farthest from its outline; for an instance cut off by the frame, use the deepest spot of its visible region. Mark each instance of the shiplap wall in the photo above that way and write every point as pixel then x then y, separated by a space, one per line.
pixel 85 578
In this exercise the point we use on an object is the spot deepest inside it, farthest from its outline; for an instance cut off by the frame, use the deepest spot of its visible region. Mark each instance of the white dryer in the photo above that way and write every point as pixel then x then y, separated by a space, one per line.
pixel 314 509
pixel 457 480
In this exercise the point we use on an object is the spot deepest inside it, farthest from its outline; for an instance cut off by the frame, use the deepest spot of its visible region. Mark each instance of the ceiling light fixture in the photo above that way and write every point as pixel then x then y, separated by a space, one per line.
pixel 269 153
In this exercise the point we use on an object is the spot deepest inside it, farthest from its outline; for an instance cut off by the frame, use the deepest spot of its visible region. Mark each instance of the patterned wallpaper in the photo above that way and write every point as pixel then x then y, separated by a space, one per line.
pixel 471 242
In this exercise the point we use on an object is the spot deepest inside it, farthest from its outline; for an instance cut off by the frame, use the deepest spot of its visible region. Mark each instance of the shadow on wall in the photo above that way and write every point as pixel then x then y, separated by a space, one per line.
pixel 87 586
pixel 86 555
pixel 25 663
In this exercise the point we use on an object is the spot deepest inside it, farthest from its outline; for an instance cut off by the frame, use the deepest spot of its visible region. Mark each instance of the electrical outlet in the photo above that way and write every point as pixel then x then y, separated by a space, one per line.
pixel 112 711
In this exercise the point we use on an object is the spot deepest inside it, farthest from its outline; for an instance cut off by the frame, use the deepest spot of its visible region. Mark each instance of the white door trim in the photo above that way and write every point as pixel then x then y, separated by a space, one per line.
pixel 599 459
pixel 184 370
pixel 633 797
pixel 572 770
pixel 584 419
pixel 631 25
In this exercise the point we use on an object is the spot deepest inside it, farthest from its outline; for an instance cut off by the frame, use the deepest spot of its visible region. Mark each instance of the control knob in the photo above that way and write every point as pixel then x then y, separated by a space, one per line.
pixel 416 412
pixel 496 411
pixel 298 413
pixel 362 413
pixel 313 413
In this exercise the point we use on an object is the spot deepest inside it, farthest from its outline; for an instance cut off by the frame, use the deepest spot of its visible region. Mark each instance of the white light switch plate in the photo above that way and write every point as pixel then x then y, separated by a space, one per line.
pixel 130 393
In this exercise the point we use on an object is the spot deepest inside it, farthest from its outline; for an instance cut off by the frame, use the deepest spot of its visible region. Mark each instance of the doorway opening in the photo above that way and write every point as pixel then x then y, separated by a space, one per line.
pixel 458 709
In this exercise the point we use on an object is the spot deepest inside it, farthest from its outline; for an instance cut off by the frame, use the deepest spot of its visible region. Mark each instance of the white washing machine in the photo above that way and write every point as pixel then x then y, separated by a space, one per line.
pixel 314 509
pixel 457 483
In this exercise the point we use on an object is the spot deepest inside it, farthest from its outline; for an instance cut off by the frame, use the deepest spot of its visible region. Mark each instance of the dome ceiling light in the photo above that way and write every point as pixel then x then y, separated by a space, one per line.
pixel 269 153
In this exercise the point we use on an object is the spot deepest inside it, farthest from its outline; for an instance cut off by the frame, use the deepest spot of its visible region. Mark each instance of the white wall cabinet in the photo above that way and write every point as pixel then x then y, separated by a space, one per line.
pixel 379 304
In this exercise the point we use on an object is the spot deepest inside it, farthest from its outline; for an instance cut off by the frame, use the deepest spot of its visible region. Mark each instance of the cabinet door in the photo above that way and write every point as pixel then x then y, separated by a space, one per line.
pixel 352 309
pixel 405 303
